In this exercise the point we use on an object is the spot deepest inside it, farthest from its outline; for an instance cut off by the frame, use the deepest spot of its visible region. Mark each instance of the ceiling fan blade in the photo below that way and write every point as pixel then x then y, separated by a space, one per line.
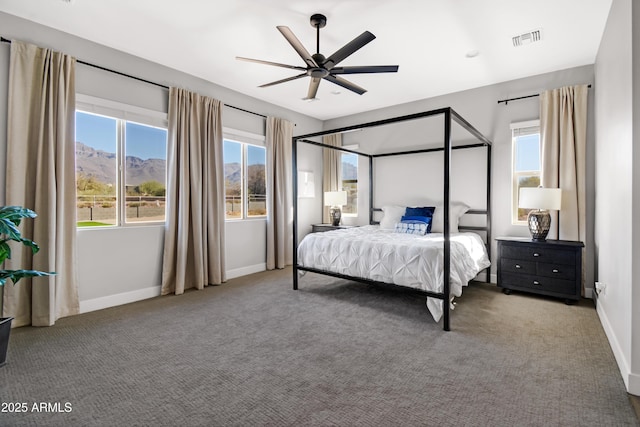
pixel 297 45
pixel 277 64
pixel 345 84
pixel 348 49
pixel 365 69
pixel 313 87
pixel 288 79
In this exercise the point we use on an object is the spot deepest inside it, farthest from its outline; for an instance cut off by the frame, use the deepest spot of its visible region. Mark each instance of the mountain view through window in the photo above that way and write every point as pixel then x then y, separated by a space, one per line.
pixel 102 198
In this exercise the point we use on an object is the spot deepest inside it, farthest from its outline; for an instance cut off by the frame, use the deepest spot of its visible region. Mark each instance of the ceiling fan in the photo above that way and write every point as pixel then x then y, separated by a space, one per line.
pixel 320 67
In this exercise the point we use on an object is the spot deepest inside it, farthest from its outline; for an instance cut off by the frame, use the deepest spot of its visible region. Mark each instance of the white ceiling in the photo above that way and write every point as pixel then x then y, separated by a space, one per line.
pixel 429 39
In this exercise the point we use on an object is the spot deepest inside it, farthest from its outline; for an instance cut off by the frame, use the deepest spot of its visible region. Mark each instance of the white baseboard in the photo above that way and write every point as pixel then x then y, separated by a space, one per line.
pixel 631 380
pixel 243 271
pixel 141 294
pixel 634 384
pixel 118 299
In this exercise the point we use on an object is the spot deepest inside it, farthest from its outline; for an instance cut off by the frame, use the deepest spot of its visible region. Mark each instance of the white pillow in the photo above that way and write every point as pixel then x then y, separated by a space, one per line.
pixel 392 216
pixel 457 209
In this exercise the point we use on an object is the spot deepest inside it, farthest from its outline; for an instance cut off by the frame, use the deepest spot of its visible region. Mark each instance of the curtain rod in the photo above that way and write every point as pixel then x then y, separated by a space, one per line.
pixel 506 101
pixel 2 39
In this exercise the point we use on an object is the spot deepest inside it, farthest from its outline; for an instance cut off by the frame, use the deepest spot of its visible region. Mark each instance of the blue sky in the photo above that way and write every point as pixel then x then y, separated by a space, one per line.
pixel 350 158
pixel 146 142
pixel 255 155
pixel 142 141
pixel 528 153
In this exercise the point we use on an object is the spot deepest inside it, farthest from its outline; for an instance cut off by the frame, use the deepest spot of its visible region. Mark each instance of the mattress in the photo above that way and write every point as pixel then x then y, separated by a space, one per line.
pixel 409 260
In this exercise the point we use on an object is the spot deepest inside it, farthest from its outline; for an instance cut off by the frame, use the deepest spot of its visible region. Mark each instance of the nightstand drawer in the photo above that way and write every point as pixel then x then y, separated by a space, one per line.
pixel 529 253
pixel 557 271
pixel 544 284
pixel 509 265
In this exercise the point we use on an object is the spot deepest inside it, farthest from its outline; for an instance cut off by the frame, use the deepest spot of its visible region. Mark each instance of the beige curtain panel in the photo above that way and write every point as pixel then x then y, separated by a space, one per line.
pixel 194 255
pixel 563 132
pixel 331 169
pixel 40 175
pixel 279 193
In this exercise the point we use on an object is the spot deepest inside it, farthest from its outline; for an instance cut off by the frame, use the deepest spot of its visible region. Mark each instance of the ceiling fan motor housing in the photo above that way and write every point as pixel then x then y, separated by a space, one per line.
pixel 318 20
pixel 318 72
pixel 319 58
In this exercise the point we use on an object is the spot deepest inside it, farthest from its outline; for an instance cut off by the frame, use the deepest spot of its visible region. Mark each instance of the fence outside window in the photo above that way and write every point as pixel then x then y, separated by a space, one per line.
pixel 257 205
pixel 102 209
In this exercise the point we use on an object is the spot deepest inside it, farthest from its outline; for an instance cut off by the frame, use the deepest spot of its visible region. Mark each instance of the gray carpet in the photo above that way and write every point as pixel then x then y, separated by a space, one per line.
pixel 253 352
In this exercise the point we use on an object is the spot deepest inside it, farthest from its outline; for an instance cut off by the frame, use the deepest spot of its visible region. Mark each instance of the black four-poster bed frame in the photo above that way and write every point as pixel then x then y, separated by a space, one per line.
pixel 449 116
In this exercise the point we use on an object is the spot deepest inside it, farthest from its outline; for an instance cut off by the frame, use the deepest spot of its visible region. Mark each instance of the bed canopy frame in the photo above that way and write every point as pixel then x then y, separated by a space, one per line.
pixel 449 116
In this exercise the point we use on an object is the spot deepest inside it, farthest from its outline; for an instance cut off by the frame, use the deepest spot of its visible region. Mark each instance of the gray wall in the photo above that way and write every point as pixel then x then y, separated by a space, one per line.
pixel 479 107
pixel 618 186
pixel 124 264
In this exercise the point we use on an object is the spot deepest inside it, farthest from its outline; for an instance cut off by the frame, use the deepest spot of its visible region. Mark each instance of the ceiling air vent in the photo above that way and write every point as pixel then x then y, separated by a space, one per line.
pixel 527 38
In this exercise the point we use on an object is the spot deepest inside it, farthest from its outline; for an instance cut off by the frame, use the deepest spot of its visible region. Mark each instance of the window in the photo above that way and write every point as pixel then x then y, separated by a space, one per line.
pixel 526 164
pixel 350 182
pixel 121 172
pixel 244 175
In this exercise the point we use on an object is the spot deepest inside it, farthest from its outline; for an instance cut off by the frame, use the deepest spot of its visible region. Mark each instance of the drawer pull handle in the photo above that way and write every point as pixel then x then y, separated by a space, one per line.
pixel 518 266
pixel 555 271
pixel 536 254
pixel 535 282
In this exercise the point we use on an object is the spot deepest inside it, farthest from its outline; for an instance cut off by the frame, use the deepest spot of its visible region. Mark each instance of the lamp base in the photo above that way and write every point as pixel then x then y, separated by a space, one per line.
pixel 335 214
pixel 539 224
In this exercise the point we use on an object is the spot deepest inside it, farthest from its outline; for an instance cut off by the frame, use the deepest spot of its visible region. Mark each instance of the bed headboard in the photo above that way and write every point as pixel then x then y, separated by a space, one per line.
pixel 483 230
pixel 460 226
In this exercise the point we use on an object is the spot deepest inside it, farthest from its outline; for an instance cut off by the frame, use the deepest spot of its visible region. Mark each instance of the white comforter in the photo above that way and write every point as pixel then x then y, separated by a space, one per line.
pixel 403 259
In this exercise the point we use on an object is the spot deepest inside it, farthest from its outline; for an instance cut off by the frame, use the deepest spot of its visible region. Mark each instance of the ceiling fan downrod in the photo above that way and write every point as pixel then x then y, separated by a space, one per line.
pixel 318 21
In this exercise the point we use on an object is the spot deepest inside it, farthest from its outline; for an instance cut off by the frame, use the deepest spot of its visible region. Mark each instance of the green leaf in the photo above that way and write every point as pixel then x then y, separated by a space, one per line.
pixel 16 275
pixel 30 243
pixel 10 217
pixel 9 229
pixel 16 213
pixel 5 251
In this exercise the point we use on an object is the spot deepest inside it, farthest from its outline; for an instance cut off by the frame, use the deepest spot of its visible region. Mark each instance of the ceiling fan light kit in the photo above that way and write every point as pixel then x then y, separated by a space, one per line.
pixel 319 67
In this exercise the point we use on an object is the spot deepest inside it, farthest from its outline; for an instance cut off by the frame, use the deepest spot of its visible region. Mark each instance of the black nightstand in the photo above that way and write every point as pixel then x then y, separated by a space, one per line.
pixel 316 228
pixel 552 267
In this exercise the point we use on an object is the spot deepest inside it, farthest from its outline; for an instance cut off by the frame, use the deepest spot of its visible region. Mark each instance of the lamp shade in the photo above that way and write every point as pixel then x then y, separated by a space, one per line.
pixel 335 198
pixel 540 198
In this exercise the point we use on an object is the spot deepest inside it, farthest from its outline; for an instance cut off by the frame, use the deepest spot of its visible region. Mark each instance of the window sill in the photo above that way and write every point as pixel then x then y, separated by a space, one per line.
pixel 260 218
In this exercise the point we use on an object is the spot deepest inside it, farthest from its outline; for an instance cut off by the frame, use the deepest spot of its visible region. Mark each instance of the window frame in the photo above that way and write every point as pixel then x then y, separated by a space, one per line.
pixel 516 175
pixel 123 114
pixel 245 139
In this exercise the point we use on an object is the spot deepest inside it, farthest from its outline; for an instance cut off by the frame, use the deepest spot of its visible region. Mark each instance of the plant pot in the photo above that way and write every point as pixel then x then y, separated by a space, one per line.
pixel 5 331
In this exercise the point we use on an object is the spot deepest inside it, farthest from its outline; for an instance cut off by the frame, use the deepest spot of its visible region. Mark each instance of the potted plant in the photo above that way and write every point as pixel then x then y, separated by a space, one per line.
pixel 10 217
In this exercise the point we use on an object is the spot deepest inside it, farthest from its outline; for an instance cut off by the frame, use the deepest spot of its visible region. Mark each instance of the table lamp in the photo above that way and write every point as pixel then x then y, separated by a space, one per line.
pixel 541 200
pixel 335 199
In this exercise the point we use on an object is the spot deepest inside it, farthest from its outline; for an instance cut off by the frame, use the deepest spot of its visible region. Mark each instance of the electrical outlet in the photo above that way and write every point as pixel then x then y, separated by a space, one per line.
pixel 600 287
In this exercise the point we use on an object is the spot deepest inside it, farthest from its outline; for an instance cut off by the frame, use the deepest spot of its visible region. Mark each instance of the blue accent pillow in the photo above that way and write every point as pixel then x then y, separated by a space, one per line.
pixel 412 227
pixel 420 211
pixel 425 219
